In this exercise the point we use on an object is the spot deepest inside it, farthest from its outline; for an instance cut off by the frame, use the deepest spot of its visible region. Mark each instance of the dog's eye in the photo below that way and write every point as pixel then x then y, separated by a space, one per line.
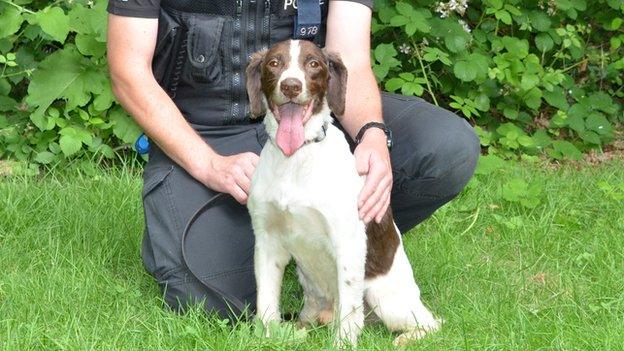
pixel 314 64
pixel 274 63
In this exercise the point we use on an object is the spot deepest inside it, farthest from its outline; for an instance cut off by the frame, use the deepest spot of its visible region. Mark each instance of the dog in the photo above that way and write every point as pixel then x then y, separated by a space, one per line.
pixel 303 204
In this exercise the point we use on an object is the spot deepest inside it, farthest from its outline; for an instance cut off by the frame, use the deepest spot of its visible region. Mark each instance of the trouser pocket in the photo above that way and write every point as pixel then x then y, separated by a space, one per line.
pixel 161 244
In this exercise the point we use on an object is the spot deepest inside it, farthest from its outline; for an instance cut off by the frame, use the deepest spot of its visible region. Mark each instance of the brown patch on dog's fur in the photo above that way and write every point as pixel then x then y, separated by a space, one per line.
pixel 254 84
pixel 261 78
pixel 382 243
pixel 325 317
pixel 337 89
pixel 317 78
pixel 271 75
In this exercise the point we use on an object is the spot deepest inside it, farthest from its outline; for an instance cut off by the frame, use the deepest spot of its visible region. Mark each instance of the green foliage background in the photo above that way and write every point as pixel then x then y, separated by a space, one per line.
pixel 535 76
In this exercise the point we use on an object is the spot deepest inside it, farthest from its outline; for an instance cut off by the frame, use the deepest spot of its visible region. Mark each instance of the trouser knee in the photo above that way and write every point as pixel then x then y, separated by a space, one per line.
pixel 435 175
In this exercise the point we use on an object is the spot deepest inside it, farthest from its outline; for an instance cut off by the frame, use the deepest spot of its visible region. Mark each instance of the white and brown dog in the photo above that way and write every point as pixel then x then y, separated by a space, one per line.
pixel 303 204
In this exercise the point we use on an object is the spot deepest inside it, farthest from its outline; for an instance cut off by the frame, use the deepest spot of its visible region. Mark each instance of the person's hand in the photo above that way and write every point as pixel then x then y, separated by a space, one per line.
pixel 231 174
pixel 372 159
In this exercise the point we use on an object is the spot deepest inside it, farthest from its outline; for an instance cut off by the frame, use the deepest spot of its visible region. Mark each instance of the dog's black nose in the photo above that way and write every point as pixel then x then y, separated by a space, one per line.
pixel 291 87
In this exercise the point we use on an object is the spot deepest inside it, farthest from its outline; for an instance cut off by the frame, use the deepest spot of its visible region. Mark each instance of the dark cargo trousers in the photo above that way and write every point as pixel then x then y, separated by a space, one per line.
pixel 434 156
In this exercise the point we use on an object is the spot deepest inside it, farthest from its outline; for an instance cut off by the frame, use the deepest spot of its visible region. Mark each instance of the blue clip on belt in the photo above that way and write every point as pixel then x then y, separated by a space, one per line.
pixel 142 144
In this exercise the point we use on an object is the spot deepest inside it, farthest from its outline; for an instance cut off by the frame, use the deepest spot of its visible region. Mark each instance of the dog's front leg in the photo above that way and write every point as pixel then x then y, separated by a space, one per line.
pixel 350 260
pixel 270 260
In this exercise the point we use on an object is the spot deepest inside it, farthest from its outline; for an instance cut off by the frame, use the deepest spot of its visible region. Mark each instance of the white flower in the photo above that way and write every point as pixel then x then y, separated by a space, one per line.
pixel 442 10
pixel 446 8
pixel 465 25
pixel 406 49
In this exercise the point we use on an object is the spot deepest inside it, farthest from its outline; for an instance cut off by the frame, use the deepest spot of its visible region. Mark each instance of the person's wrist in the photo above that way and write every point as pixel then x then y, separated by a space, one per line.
pixel 375 136
pixel 203 168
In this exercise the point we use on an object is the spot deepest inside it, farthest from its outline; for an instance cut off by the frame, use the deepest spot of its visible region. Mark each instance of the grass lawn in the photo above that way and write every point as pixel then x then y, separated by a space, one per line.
pixel 503 276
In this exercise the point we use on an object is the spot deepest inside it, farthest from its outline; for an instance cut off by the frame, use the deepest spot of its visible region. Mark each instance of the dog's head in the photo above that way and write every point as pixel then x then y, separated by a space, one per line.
pixel 295 79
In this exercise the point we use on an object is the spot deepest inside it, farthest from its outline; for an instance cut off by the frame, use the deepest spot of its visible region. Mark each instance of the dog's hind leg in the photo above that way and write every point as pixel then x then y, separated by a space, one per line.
pixel 395 299
pixel 317 308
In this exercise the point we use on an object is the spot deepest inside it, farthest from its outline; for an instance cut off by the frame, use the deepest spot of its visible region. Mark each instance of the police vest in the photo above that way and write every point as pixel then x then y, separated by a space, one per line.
pixel 204 46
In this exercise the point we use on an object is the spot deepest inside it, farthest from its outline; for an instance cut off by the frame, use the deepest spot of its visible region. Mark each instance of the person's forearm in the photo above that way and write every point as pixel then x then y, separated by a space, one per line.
pixel 161 120
pixel 363 100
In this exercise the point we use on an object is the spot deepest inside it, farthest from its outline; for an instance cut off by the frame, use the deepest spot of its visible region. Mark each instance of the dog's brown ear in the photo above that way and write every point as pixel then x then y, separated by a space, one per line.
pixel 254 84
pixel 337 87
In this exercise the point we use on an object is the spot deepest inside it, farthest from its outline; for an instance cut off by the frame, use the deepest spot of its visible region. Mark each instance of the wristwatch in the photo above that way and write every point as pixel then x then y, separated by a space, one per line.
pixel 382 126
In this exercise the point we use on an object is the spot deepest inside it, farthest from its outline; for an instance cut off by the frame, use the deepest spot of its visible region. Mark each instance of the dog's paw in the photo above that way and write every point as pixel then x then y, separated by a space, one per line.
pixel 266 326
pixel 325 317
pixel 348 332
pixel 409 336
pixel 341 343
pixel 417 333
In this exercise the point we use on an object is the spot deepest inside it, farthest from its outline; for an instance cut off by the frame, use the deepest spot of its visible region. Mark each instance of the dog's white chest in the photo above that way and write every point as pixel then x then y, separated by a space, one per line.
pixel 320 176
pixel 302 199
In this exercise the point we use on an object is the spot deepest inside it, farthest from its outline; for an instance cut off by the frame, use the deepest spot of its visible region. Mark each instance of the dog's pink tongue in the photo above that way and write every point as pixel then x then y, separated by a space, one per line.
pixel 290 134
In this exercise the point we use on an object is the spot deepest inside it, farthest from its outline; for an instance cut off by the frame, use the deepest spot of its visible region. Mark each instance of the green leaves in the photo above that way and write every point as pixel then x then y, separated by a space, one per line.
pixel 72 138
pixel 408 83
pixel 123 126
pixel 464 71
pixel 91 22
pixel 564 149
pixel 11 19
pixel 544 42
pixel 54 22
pixel 539 20
pixel 517 47
pixel 472 67
pixel 467 106
pixel 455 38
pixel 517 190
pixel 64 75
pixel 488 164
pixel 89 46
pixel 502 12
pixel 533 78
pixel 533 98
pixel 45 157
pixel 513 137
pixel 612 191
pixel 435 54
pixel 8 60
pixel 385 59
pixel 410 19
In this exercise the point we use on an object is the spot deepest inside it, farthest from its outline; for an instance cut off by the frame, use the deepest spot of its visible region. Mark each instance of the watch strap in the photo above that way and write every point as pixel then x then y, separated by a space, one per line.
pixel 367 126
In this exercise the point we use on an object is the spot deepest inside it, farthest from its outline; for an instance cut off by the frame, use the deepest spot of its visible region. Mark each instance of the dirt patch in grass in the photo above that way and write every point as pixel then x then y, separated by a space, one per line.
pixel 6 168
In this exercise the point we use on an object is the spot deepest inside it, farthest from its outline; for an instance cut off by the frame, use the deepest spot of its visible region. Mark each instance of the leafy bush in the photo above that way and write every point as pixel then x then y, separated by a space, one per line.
pixel 55 95
pixel 535 76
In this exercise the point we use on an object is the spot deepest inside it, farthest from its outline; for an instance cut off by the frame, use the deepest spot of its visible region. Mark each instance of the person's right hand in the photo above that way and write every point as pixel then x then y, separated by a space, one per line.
pixel 231 174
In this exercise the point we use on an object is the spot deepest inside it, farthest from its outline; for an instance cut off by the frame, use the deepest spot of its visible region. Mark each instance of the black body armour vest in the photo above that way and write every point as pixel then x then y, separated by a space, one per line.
pixel 204 46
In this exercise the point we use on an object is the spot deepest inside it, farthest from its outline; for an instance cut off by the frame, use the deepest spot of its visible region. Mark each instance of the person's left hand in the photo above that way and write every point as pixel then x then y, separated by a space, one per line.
pixel 372 159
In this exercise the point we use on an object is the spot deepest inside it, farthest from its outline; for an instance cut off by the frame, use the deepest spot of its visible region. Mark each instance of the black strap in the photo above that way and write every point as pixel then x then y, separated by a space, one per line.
pixel 230 299
pixel 380 125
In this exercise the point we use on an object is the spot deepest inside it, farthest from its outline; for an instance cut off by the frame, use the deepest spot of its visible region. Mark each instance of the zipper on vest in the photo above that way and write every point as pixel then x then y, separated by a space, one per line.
pixel 177 69
pixel 237 51
pixel 250 43
pixel 251 27
pixel 265 25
